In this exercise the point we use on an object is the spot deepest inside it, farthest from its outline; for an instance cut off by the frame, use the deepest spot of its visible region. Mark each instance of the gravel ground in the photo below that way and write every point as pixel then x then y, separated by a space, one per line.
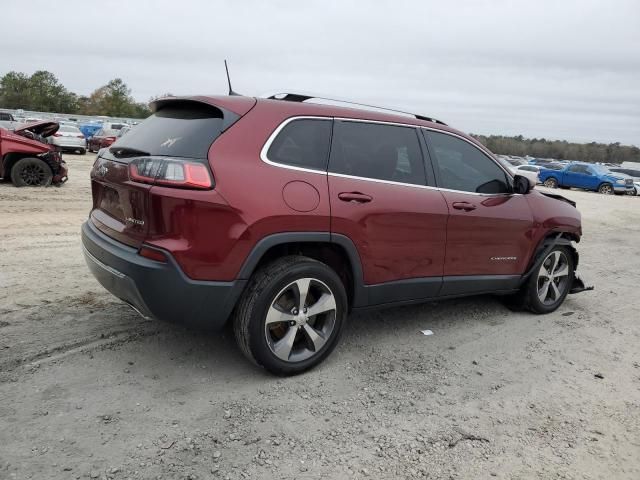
pixel 88 389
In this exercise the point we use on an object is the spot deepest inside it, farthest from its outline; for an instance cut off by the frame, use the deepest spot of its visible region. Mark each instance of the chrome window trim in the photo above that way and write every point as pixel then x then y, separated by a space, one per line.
pixel 274 134
pixel 272 137
pixel 379 180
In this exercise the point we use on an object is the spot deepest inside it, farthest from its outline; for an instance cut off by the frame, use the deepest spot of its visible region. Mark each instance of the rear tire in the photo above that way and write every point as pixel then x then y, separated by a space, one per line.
pixel 31 172
pixel 274 323
pixel 551 183
pixel 606 189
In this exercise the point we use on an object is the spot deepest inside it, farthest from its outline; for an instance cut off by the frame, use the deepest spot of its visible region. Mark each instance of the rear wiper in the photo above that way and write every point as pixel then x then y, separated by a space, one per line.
pixel 124 152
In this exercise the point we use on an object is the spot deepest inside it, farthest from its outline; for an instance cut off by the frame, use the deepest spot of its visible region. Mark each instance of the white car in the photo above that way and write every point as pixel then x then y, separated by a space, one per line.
pixel 532 172
pixel 69 138
pixel 632 172
pixel 528 171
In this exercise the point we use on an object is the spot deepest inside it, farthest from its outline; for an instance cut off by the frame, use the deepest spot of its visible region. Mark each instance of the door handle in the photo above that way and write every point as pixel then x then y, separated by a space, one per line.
pixel 356 197
pixel 466 206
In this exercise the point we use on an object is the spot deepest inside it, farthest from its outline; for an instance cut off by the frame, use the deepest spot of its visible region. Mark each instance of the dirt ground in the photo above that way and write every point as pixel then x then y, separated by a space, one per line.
pixel 88 389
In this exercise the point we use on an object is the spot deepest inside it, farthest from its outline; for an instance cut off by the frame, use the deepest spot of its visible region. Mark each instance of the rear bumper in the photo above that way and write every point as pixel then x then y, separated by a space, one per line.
pixel 155 289
pixel 69 143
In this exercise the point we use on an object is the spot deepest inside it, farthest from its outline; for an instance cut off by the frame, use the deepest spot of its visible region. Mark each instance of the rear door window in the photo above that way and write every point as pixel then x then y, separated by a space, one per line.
pixel 377 151
pixel 578 169
pixel 302 143
pixel 461 166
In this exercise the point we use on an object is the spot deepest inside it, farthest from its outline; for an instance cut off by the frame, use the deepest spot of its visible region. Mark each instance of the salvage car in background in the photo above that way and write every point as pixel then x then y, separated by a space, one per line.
pixel 588 177
pixel 530 173
pixel 69 138
pixel 633 173
pixel 103 138
pixel 26 157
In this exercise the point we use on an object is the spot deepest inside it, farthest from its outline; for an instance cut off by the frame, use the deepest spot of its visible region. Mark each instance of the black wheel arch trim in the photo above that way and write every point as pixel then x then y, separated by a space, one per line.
pixel 544 248
pixel 273 240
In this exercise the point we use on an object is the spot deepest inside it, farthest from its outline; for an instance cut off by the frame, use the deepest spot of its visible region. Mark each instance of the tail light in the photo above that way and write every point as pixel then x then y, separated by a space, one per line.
pixel 110 139
pixel 80 136
pixel 170 172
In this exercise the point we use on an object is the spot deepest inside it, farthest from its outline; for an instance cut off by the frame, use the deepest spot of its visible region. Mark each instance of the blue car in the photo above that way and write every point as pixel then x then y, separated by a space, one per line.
pixel 89 129
pixel 587 176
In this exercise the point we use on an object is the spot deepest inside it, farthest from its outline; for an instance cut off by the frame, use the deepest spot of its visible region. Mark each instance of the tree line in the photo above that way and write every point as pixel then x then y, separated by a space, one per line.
pixel 43 92
pixel 560 149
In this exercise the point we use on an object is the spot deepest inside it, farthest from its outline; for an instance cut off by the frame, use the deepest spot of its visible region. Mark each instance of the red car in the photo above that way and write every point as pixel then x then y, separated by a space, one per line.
pixel 283 216
pixel 102 138
pixel 27 159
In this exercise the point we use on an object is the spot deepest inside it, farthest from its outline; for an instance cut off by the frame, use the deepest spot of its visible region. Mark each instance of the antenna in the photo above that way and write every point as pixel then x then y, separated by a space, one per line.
pixel 231 92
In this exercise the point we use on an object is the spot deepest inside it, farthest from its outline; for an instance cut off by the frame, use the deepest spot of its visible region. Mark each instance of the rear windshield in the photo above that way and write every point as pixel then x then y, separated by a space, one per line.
pixel 184 130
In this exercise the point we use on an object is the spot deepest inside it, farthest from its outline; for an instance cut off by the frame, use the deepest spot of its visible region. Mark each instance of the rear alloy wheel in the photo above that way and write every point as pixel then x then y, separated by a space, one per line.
pixel 606 189
pixel 291 315
pixel 551 183
pixel 31 172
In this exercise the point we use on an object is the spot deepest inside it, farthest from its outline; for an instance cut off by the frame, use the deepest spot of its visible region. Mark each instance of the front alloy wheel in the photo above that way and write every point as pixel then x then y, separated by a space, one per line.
pixel 31 172
pixel 551 183
pixel 553 278
pixel 291 315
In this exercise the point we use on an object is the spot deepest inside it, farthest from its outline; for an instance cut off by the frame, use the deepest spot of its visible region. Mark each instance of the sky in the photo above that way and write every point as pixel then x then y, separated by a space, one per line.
pixel 558 69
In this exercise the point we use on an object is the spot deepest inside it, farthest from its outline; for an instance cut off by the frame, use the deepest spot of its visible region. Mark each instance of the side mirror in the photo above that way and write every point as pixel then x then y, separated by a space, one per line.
pixel 522 185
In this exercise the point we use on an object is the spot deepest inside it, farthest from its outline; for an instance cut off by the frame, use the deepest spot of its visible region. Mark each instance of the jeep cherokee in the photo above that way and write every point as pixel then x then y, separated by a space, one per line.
pixel 283 214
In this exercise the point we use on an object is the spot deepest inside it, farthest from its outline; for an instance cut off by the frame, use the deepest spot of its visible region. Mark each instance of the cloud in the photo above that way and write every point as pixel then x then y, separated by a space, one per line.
pixel 554 69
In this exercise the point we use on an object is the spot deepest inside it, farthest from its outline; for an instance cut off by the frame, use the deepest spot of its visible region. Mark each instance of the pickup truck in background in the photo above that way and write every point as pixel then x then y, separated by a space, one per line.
pixel 588 177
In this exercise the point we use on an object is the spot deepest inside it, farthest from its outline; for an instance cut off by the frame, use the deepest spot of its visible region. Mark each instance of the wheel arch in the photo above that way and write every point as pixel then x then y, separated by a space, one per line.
pixel 337 251
pixel 553 238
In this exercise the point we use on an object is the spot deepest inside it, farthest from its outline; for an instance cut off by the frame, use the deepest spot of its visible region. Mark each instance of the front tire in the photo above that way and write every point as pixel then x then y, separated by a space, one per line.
pixel 606 189
pixel 548 286
pixel 551 183
pixel 82 151
pixel 31 172
pixel 291 316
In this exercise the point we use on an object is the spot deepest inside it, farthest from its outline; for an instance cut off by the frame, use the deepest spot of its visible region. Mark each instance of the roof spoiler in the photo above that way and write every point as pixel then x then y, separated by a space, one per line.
pixel 228 117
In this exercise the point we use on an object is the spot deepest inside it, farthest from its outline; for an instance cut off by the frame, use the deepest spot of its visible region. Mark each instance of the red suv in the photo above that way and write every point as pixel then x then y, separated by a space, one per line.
pixel 283 214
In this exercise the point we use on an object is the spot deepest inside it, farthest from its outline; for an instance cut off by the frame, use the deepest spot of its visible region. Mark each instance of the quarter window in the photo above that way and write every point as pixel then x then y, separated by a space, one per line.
pixel 461 166
pixel 302 143
pixel 377 151
pixel 579 169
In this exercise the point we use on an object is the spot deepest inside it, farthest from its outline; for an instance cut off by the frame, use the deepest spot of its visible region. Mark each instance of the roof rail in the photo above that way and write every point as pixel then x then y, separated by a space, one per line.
pixel 302 97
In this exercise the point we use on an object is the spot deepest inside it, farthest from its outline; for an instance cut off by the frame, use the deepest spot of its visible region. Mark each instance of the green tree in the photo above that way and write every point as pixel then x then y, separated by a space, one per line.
pixel 14 90
pixel 47 94
pixel 41 92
